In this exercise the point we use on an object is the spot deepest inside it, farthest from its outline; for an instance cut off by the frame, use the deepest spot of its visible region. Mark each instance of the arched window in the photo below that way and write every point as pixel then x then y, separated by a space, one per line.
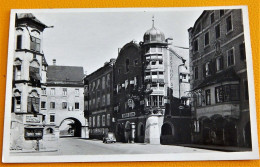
pixel 49 131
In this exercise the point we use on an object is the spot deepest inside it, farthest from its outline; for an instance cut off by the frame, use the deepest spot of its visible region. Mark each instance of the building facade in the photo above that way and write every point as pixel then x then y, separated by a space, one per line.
pixel 29 78
pixel 219 86
pixel 65 100
pixel 98 99
pixel 147 86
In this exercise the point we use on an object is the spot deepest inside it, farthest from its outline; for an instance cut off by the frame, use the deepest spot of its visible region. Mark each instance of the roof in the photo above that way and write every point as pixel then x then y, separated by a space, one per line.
pixel 65 74
pixel 224 76
pixel 29 16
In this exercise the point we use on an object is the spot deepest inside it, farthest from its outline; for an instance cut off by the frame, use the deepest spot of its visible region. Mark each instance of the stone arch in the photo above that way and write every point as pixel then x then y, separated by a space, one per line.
pixel 34 93
pixel 167 129
pixel 34 63
pixel 75 128
pixel 17 93
pixel 17 61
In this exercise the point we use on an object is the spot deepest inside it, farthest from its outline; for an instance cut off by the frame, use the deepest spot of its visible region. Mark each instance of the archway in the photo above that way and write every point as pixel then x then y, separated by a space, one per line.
pixel 247 132
pixel 140 132
pixel 119 132
pixel 167 129
pixel 206 131
pixel 70 127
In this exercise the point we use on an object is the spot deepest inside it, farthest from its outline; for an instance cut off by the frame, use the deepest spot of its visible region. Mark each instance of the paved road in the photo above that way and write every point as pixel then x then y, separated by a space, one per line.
pixel 76 146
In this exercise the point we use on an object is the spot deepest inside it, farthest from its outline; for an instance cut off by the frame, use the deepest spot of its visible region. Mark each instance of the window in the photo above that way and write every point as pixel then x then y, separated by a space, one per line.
pixel 246 90
pixel 52 91
pixel 76 92
pixel 108 119
pixel 127 65
pixel 136 62
pixel 230 57
pixel 43 91
pixel 94 121
pixel 108 81
pixel 35 44
pixel 18 72
pixel 212 18
pixel 33 104
pixel 206 39
pixel 196 73
pixel 208 100
pixel 98 121
pixel 98 84
pixel 34 74
pixel 119 71
pixel 90 121
pixel 227 93
pixel 221 12
pixel 19 42
pixel 159 49
pixel 64 91
pixel 161 86
pixel 207 69
pixel 219 94
pixel 43 105
pixel 155 101
pixel 229 24
pixel 76 105
pixel 149 101
pixel 64 105
pixel 52 118
pixel 217 31
pixel 160 100
pixel 242 51
pixel 103 82
pixel 153 62
pixel 52 105
pixel 154 73
pixel 103 120
pixel 108 99
pixel 160 72
pixel 93 86
pixel 219 63
pixel 153 49
pixel 103 100
pixel 18 103
pixel 160 62
pixel 195 46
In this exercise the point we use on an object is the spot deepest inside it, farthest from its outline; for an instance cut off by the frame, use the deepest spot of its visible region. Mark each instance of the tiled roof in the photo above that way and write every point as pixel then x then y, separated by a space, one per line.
pixel 65 74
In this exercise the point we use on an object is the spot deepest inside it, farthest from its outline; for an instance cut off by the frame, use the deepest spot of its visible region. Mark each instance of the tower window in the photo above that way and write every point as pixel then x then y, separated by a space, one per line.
pixel 19 42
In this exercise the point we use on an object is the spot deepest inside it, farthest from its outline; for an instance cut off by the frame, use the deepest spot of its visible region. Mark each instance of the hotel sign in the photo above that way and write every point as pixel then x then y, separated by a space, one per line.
pixel 127 115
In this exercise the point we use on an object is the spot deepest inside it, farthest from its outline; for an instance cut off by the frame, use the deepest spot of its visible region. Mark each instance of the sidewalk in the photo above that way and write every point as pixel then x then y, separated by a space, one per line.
pixel 217 148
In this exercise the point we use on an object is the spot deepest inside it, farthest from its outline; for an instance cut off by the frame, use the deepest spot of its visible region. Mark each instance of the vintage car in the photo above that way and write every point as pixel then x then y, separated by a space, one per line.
pixel 109 138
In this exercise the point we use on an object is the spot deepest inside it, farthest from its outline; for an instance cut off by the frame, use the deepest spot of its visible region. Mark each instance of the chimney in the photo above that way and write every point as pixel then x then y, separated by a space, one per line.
pixel 54 62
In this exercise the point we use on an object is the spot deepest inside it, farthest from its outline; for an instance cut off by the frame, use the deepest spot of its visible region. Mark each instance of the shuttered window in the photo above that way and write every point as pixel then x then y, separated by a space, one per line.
pixel 33 104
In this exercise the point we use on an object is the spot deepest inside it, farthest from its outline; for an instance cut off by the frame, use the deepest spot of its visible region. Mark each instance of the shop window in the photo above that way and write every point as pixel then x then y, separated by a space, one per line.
pixel 19 42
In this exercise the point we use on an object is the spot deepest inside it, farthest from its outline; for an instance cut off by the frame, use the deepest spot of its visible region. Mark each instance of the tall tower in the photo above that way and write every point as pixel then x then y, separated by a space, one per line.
pixel 29 78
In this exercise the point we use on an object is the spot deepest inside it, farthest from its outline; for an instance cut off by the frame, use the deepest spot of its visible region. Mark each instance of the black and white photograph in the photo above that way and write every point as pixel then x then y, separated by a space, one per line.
pixel 130 84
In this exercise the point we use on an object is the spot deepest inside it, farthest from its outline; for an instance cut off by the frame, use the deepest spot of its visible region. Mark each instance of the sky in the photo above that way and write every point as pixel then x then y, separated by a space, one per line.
pixel 89 39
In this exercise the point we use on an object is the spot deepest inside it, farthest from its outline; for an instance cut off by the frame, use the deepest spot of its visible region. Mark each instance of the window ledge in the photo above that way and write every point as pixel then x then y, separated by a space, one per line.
pixel 229 32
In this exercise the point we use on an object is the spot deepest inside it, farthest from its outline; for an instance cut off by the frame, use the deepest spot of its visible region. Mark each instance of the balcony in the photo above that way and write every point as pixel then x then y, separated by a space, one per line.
pixel 220 109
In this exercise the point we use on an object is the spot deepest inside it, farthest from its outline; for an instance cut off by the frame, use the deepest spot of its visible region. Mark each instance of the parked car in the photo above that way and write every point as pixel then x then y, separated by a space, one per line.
pixel 109 138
